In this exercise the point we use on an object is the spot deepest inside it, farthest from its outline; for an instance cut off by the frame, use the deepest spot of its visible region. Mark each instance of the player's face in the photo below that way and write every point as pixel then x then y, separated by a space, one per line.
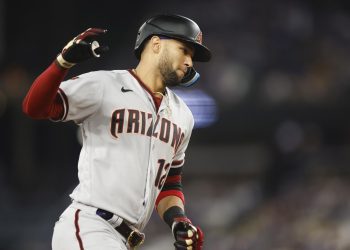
pixel 175 60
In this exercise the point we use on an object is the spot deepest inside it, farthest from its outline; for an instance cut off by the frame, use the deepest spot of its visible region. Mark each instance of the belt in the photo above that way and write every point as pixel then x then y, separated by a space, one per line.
pixel 133 237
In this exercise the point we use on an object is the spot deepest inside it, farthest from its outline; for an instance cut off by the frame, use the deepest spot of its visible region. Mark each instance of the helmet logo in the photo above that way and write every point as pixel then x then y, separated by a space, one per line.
pixel 199 37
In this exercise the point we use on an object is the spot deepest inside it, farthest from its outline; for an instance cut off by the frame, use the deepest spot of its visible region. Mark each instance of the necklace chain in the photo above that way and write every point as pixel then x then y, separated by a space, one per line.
pixel 167 110
pixel 157 92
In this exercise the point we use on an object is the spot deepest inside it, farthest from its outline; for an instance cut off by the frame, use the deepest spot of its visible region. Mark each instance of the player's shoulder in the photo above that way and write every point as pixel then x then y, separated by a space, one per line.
pixel 179 103
pixel 104 74
pixel 102 77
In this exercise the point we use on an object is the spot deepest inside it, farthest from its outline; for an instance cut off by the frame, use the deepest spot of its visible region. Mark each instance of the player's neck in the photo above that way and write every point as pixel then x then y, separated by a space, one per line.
pixel 150 78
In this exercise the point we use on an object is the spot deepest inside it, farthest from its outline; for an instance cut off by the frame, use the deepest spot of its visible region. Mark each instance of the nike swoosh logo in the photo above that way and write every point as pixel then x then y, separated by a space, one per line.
pixel 124 90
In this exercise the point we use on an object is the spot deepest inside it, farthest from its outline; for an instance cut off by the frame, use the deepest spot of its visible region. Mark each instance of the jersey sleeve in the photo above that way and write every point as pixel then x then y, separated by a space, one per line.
pixel 81 96
pixel 179 158
pixel 173 182
pixel 42 100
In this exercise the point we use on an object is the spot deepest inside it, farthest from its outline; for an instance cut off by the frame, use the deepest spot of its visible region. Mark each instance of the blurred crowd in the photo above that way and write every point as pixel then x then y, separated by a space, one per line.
pixel 280 77
pixel 312 214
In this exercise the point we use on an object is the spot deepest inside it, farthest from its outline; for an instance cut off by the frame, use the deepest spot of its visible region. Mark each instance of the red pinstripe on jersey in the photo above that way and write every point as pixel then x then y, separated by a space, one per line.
pixel 77 229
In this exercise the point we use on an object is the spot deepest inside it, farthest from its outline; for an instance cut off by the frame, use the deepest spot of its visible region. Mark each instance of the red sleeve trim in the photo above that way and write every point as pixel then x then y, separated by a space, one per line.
pixel 167 193
pixel 65 103
pixel 173 179
pixel 176 163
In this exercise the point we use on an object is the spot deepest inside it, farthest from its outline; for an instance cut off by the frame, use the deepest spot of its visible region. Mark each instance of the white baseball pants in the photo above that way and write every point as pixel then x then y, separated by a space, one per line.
pixel 79 228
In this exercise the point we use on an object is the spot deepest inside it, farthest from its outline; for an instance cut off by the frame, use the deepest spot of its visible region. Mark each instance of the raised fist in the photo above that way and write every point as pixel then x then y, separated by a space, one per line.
pixel 187 236
pixel 81 48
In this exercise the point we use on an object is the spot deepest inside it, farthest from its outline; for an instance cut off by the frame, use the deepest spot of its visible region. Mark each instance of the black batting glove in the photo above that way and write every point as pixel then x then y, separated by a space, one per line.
pixel 81 48
pixel 187 236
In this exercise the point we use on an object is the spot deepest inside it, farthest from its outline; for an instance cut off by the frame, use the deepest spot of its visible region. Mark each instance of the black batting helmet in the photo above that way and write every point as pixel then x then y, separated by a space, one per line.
pixel 173 26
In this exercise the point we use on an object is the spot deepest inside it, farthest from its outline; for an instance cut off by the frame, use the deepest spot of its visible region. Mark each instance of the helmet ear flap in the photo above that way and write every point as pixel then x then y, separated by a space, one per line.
pixel 190 78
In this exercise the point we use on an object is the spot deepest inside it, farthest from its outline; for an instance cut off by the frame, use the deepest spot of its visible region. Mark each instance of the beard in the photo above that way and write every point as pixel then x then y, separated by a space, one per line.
pixel 170 78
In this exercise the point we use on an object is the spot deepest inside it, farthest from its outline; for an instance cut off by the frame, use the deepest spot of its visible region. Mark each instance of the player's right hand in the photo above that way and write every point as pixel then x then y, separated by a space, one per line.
pixel 187 236
pixel 81 48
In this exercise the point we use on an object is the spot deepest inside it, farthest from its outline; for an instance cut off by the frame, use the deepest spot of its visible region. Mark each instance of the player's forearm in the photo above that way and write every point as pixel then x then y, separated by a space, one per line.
pixel 41 96
pixel 168 202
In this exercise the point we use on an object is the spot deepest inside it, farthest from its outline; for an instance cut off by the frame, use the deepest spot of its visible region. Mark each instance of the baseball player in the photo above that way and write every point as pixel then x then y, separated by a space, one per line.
pixel 135 132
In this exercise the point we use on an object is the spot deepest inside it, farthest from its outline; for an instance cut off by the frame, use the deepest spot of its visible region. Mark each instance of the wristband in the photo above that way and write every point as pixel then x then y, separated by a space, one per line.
pixel 63 63
pixel 172 213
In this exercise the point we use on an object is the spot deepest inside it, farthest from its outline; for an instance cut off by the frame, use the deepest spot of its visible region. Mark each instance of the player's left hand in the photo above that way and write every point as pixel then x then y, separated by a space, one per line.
pixel 187 236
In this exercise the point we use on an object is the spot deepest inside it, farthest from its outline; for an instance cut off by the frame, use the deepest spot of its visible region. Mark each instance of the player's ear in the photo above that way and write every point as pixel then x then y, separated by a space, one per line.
pixel 155 43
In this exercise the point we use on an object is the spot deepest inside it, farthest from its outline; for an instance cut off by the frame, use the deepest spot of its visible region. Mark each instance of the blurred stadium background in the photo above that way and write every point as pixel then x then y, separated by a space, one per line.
pixel 268 164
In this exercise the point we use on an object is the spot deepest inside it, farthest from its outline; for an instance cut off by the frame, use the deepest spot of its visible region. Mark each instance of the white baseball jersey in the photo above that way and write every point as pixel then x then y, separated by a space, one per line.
pixel 128 147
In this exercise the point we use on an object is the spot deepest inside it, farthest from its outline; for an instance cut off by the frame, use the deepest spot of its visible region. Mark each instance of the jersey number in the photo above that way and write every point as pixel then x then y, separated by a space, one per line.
pixel 160 179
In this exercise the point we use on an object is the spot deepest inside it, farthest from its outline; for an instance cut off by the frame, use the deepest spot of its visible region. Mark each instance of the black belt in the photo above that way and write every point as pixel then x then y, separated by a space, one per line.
pixel 133 237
